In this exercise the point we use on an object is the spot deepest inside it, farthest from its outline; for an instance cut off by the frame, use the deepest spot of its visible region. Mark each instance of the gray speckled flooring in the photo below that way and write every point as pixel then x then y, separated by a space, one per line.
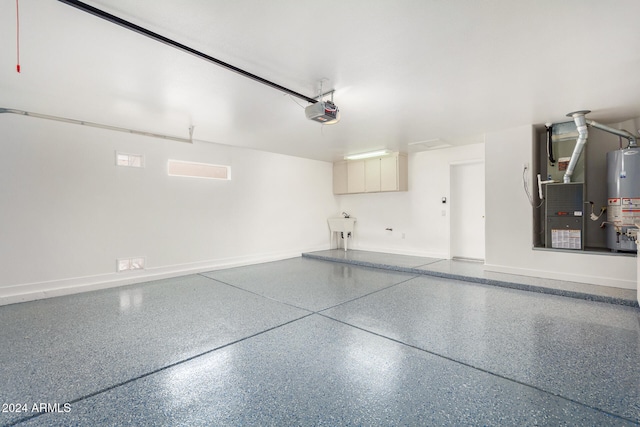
pixel 310 342
pixel 474 272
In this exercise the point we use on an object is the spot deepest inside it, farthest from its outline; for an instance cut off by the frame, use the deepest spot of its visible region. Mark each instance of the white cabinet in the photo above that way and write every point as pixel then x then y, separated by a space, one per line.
pixel 340 178
pixel 355 176
pixel 394 173
pixel 372 175
pixel 377 174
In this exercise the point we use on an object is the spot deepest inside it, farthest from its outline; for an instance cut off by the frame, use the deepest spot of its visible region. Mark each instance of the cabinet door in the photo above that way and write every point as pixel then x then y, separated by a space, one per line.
pixel 340 178
pixel 389 173
pixel 355 176
pixel 372 175
pixel 403 172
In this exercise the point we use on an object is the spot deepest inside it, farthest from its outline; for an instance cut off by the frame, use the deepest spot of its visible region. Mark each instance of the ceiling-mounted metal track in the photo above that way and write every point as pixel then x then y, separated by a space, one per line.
pixel 155 36
pixel 98 125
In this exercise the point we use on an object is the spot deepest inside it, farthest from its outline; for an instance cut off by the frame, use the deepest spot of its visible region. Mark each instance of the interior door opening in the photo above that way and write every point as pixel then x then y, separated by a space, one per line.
pixel 467 207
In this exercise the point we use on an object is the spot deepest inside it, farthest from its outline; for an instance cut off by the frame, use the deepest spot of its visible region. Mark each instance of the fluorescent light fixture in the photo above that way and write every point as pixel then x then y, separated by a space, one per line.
pixel 367 155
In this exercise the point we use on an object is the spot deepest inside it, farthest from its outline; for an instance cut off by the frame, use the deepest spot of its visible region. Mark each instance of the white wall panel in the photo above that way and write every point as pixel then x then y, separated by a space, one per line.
pixel 68 212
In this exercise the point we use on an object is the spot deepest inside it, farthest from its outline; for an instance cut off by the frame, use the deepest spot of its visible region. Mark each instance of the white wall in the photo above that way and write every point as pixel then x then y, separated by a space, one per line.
pixel 509 223
pixel 68 212
pixel 508 227
pixel 416 213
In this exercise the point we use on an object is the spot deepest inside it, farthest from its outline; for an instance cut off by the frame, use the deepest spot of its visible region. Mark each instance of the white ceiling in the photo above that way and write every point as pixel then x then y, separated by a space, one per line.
pixel 403 71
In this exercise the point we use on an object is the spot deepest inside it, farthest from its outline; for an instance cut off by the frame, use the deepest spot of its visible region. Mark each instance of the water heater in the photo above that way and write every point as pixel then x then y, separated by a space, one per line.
pixel 623 193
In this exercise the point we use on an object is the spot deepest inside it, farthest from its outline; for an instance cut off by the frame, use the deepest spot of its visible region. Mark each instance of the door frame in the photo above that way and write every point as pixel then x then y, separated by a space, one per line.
pixel 452 165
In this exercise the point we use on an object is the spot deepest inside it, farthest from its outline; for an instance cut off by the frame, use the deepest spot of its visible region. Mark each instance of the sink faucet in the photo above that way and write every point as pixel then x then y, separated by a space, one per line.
pixel 346 215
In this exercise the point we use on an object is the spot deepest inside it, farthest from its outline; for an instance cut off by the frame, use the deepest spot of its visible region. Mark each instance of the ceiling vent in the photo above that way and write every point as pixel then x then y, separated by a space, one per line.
pixel 430 144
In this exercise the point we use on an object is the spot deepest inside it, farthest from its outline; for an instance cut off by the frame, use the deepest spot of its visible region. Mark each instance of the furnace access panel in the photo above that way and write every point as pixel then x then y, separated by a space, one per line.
pixel 564 219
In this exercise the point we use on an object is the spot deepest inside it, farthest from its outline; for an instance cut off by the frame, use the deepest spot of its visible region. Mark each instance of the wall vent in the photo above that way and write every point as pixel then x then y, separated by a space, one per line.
pixel 198 170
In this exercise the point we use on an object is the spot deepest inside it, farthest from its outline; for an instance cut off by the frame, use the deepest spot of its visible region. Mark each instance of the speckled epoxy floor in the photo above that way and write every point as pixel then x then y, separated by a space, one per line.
pixel 475 272
pixel 311 342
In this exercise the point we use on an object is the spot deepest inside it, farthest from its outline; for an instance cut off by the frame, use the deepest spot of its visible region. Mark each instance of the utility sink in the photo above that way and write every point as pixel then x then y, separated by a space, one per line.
pixel 344 226
pixel 341 224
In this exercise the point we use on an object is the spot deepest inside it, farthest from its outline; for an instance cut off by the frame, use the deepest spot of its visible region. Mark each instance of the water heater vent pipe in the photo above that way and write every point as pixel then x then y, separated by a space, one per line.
pixel 581 124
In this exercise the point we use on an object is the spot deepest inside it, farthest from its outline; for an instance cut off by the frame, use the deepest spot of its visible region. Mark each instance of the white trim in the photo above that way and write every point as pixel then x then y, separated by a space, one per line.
pixel 592 280
pixel 40 290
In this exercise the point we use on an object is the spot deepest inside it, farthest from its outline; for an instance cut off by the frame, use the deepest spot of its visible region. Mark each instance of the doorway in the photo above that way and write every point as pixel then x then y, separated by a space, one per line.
pixel 467 206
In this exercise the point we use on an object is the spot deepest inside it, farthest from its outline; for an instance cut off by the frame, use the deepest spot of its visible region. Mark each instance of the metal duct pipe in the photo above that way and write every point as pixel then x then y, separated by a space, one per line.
pixel 583 133
pixel 620 132
pixel 581 124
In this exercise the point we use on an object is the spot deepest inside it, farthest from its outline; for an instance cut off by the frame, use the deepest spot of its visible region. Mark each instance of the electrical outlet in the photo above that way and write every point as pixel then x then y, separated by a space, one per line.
pixel 128 264
pixel 137 263
pixel 123 264
pixel 129 160
pixel 525 166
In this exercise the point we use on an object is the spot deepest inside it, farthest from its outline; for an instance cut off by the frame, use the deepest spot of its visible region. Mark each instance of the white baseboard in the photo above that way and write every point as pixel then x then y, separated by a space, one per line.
pixel 34 291
pixel 593 280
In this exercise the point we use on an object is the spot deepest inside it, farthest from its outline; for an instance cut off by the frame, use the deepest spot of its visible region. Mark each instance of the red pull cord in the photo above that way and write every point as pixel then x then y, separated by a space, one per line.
pixel 17 37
